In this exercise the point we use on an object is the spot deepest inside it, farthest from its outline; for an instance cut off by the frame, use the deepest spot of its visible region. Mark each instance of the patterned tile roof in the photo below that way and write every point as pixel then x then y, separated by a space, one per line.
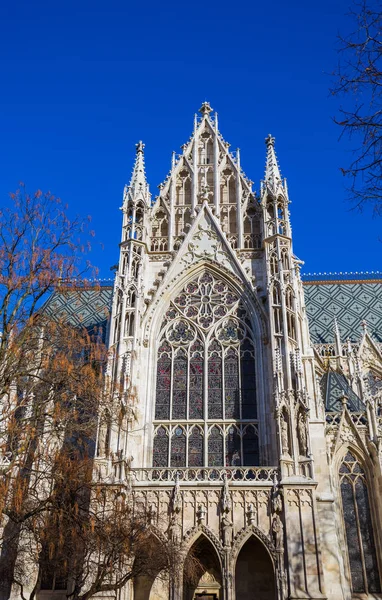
pixel 349 300
pixel 333 386
pixel 83 306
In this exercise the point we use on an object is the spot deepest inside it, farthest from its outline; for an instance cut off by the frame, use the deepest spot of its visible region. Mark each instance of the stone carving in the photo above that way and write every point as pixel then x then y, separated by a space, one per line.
pixel 174 530
pixel 227 530
pixel 277 502
pixel 284 432
pixel 302 434
pixel 151 514
pixel 201 514
pixel 176 496
pixel 251 515
pixel 278 533
pixel 226 503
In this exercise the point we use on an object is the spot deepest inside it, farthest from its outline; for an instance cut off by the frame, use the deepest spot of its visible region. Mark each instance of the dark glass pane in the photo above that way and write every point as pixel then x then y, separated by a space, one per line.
pixel 215 448
pixel 196 387
pixel 251 448
pixel 354 553
pixel 160 450
pixel 367 537
pixel 162 402
pixel 215 407
pixel 233 450
pixel 195 448
pixel 231 385
pixel 179 395
pixel 248 381
pixel 178 448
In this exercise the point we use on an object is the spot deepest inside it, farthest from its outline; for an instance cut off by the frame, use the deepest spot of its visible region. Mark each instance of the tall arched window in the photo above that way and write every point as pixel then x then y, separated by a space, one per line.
pixel 358 526
pixel 206 379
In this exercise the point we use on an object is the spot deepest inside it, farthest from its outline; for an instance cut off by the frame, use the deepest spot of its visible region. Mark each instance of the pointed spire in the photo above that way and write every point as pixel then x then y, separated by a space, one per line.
pixel 337 338
pixel 272 171
pixel 138 183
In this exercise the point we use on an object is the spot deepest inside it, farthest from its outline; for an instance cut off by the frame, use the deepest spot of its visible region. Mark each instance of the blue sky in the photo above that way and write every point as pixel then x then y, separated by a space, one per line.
pixel 83 81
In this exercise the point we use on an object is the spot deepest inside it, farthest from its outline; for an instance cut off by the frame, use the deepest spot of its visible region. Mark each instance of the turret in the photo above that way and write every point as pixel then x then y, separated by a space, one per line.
pixel 286 320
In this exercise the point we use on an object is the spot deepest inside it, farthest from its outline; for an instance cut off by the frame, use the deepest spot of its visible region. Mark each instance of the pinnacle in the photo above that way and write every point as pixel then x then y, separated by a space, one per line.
pixel 272 171
pixel 138 181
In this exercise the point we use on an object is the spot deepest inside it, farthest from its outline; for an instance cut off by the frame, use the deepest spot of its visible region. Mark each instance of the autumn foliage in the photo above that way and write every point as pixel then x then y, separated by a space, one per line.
pixel 60 529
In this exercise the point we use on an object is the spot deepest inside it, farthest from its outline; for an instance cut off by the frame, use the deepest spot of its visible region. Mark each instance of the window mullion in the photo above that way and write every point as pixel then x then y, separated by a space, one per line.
pixel 360 541
pixel 205 402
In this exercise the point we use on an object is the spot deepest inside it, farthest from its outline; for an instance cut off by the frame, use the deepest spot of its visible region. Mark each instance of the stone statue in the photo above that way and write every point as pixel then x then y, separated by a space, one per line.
pixel 284 434
pixel 201 514
pixel 251 515
pixel 174 528
pixel 301 433
pixel 226 497
pixel 227 530
pixel 278 532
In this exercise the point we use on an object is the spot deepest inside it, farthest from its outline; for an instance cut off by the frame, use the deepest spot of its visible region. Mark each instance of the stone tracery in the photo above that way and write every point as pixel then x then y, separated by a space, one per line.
pixel 207 338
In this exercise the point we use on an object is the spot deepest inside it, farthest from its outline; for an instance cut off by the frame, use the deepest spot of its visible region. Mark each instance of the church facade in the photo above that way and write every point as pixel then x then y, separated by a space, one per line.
pixel 254 425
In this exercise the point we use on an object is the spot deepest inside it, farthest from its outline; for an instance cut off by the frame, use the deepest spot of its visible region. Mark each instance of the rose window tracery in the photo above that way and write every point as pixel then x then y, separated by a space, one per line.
pixel 206 380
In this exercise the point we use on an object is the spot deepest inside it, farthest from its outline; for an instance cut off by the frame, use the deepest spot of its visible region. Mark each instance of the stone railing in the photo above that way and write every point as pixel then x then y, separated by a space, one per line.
pixel 359 419
pixel 259 475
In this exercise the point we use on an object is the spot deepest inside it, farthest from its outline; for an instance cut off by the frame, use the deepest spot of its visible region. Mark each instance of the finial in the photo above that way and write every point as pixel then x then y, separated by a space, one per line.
pixel 195 122
pixel 337 338
pixel 173 159
pixel 140 147
pixel 216 121
pixel 364 325
pixel 272 171
pixel 206 108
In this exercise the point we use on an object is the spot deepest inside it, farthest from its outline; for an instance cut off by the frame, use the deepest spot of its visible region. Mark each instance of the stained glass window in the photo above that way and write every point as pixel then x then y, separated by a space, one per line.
pixel 196 382
pixel 206 372
pixel 215 448
pixel 179 386
pixel 250 446
pixel 358 526
pixel 231 385
pixel 162 405
pixel 160 450
pixel 178 448
pixel 215 383
pixel 195 448
pixel 233 448
pixel 248 381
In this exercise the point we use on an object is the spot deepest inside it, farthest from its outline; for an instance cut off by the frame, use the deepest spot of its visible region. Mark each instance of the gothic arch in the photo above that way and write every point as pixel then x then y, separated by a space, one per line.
pixel 203 568
pixel 244 535
pixel 198 531
pixel 154 316
pixel 153 324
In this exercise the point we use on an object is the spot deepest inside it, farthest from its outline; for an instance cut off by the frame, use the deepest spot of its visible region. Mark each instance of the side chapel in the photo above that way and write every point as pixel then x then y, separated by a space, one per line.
pixel 256 423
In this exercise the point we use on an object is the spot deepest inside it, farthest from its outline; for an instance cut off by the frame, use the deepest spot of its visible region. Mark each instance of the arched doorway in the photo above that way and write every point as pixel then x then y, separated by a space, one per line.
pixel 254 574
pixel 202 573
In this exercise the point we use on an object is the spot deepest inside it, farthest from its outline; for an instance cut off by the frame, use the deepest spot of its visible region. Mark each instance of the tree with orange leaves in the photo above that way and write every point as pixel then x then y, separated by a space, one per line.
pixel 59 529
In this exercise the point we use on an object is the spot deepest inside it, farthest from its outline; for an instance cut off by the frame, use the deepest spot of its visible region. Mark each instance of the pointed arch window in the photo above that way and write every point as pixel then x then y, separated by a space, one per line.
pixel 206 376
pixel 358 526
pixel 160 449
pixel 178 447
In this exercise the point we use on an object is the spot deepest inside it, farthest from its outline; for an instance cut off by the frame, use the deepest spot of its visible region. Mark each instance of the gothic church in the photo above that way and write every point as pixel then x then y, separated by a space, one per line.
pixel 255 425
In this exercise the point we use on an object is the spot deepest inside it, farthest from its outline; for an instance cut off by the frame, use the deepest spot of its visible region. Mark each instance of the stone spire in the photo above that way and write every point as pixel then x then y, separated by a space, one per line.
pixel 138 188
pixel 272 171
pixel 337 338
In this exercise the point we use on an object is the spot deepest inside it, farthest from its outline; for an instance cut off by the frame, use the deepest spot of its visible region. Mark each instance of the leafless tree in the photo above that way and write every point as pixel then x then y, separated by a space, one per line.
pixel 358 81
